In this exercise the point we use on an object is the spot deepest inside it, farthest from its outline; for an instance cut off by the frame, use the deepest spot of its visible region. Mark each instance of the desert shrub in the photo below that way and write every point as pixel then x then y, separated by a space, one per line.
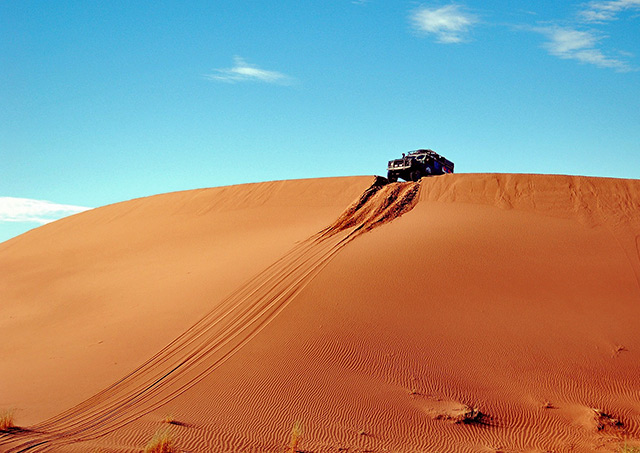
pixel 161 442
pixel 6 420
pixel 296 433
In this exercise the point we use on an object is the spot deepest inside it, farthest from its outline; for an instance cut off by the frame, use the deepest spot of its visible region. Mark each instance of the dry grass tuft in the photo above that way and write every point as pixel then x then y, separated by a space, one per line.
pixel 6 420
pixel 296 434
pixel 170 419
pixel 605 422
pixel 161 442
pixel 463 415
pixel 469 415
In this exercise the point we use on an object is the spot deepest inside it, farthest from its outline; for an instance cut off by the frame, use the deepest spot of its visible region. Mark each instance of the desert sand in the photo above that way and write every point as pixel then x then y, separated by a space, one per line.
pixel 467 312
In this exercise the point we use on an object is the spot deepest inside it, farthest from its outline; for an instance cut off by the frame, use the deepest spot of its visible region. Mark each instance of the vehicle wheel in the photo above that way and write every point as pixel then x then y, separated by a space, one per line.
pixel 416 175
pixel 392 177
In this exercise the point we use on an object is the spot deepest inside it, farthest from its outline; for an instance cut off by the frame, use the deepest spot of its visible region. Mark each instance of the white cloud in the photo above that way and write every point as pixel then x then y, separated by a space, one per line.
pixel 600 11
pixel 245 72
pixel 565 41
pixel 449 23
pixel 572 44
pixel 38 211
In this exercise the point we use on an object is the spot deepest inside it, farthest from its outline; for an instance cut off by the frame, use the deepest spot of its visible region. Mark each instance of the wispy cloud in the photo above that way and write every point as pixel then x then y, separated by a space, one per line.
pixel 572 44
pixel 585 45
pixel 245 72
pixel 600 11
pixel 38 211
pixel 450 24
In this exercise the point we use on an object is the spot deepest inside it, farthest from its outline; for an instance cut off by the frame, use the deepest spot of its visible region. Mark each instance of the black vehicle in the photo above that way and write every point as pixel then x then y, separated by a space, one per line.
pixel 416 164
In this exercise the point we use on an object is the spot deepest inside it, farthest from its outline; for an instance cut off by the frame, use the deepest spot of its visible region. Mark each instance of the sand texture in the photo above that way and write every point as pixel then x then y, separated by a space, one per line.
pixel 468 312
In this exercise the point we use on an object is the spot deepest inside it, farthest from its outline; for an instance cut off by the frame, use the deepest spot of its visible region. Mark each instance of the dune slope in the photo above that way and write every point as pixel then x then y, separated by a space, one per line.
pixel 461 313
pixel 88 298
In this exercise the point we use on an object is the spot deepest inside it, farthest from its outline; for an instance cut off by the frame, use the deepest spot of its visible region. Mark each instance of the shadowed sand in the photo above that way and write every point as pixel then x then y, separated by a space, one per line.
pixel 460 313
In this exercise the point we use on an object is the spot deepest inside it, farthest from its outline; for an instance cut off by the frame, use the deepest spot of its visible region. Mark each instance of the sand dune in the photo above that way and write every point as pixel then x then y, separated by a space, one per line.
pixel 460 313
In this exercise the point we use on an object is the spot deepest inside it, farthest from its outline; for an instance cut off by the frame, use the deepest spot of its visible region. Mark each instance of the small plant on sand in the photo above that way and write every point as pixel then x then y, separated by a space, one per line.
pixel 605 422
pixel 161 442
pixel 170 419
pixel 296 434
pixel 6 420
pixel 472 415
pixel 629 449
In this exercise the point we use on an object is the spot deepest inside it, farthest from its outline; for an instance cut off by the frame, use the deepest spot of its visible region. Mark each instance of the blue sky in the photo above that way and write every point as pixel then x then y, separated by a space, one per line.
pixel 106 101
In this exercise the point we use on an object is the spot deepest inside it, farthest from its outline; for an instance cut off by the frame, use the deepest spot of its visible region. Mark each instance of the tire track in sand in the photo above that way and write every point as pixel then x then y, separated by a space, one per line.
pixel 218 335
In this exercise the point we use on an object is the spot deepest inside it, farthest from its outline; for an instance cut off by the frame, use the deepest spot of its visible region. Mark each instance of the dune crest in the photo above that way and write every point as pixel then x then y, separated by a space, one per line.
pixel 460 313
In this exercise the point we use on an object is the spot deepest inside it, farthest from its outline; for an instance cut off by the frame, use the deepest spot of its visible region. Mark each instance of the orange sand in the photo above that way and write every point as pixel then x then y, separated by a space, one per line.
pixel 460 313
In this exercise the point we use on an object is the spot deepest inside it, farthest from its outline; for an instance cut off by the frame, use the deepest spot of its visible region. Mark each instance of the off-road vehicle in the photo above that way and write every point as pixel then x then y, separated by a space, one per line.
pixel 416 164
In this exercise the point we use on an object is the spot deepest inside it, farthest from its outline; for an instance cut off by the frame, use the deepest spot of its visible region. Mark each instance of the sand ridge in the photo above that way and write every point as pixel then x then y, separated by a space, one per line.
pixel 462 313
